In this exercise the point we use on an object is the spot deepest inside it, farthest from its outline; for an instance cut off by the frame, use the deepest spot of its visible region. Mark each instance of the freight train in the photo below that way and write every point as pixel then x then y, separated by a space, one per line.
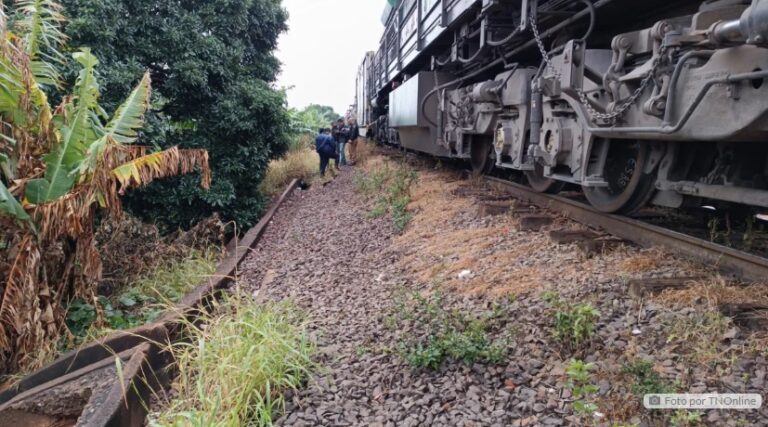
pixel 634 101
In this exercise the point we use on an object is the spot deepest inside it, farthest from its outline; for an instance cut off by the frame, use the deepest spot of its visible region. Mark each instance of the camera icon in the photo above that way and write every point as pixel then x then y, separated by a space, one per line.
pixel 654 400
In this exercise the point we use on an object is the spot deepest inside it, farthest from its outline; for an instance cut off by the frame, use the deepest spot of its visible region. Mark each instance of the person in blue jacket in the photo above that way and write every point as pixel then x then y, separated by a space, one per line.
pixel 326 149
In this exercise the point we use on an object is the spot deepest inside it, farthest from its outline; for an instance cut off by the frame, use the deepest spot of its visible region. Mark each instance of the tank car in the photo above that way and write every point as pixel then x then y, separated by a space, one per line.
pixel 636 102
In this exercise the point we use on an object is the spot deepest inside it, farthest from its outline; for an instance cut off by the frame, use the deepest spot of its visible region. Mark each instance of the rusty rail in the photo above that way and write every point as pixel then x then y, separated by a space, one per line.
pixel 746 266
pixel 139 352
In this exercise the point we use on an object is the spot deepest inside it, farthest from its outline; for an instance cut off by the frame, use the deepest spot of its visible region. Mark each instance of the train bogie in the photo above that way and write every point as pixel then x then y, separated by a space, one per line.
pixel 672 112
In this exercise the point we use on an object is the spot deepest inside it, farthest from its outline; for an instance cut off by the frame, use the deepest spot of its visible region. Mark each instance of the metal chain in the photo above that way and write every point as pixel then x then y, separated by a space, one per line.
pixel 619 110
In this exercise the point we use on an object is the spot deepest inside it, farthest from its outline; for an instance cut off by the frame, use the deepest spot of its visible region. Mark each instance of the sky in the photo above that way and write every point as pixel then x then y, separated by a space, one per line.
pixel 324 46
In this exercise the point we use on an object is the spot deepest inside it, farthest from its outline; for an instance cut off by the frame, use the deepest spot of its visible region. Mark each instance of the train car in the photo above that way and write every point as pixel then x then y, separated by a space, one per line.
pixel 636 102
pixel 362 106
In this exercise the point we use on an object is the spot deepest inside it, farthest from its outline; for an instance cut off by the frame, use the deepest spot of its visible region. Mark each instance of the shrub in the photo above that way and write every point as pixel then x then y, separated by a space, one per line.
pixel 574 323
pixel 580 385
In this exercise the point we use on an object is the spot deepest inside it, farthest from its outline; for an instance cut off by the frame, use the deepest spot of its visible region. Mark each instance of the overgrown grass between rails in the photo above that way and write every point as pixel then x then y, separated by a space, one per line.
pixel 391 187
pixel 235 370
pixel 140 302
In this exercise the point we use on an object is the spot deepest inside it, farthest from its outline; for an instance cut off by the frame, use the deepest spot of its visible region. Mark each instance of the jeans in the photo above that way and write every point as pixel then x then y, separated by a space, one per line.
pixel 342 155
pixel 324 162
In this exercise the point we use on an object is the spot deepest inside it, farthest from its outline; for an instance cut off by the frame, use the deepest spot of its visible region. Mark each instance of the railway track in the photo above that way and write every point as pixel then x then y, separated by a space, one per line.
pixel 111 381
pixel 745 266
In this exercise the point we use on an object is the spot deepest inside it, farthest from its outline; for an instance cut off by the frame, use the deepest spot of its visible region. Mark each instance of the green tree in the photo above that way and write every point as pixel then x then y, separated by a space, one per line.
pixel 58 165
pixel 311 118
pixel 212 65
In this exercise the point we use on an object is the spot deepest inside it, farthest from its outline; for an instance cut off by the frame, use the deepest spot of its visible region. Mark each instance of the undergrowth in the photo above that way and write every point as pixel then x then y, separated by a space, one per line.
pixel 391 189
pixel 301 162
pixel 645 380
pixel 140 302
pixel 574 324
pixel 236 369
pixel 582 387
pixel 436 334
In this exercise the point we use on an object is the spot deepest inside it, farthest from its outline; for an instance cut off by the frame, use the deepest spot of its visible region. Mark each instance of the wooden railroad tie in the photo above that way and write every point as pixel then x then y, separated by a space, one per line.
pixel 654 285
pixel 753 316
pixel 599 246
pixel 493 207
pixel 534 222
pixel 564 236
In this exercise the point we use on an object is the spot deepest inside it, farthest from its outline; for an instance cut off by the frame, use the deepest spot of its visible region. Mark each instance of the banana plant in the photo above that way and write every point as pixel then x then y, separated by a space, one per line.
pixel 59 165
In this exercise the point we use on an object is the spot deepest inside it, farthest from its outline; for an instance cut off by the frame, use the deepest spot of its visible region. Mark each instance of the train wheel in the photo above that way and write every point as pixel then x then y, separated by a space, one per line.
pixel 540 183
pixel 482 157
pixel 629 187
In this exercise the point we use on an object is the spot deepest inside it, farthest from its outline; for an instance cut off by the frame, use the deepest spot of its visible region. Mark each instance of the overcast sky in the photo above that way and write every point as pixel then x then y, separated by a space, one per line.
pixel 324 45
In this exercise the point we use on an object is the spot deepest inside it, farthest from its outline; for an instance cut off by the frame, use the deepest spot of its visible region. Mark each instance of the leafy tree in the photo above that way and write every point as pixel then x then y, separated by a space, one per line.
pixel 212 65
pixel 58 166
pixel 311 118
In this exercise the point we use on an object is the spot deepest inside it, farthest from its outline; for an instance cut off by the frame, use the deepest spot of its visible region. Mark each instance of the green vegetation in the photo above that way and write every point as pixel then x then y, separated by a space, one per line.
pixel 391 189
pixel 683 418
pixel 212 64
pixel 444 334
pixel 645 380
pixel 236 370
pixel 312 118
pixel 581 386
pixel 574 323
pixel 142 301
pixel 63 158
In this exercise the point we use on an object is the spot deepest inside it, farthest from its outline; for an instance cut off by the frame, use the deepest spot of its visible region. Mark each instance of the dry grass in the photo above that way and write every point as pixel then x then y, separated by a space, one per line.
pixel 713 292
pixel 365 151
pixel 440 243
pixel 699 335
pixel 302 163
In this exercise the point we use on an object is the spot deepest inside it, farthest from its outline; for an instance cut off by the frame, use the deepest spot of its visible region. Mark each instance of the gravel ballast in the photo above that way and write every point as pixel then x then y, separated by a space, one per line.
pixel 348 272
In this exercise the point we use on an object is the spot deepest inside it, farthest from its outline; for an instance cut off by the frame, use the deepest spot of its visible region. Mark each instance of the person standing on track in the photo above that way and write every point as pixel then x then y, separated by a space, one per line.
pixel 342 132
pixel 354 135
pixel 326 149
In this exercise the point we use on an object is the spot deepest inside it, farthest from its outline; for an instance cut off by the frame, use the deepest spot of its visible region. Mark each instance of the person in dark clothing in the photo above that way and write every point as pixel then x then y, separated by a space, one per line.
pixel 326 149
pixel 341 134
pixel 354 134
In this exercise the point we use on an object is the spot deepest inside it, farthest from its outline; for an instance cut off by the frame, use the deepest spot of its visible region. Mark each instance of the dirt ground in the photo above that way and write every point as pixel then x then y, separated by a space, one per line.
pixel 369 288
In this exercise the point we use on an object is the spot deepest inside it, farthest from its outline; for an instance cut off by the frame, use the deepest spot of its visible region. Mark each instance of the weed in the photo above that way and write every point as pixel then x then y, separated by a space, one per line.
pixel 236 370
pixel 644 379
pixel 141 302
pixel 450 334
pixel 581 386
pixel 80 317
pixel 550 297
pixel 391 187
pixel 698 335
pixel 574 323
pixel 683 418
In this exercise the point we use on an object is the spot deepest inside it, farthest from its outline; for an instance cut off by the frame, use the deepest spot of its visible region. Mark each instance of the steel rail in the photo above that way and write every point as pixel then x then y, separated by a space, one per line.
pixel 748 267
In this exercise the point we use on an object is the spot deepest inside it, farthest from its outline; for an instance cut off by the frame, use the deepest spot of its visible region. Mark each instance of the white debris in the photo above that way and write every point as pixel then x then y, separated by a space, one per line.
pixel 465 274
pixel 597 414
pixel 636 331
pixel 380 277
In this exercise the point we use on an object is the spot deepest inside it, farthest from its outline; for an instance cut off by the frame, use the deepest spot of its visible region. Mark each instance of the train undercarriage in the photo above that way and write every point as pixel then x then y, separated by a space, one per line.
pixel 673 111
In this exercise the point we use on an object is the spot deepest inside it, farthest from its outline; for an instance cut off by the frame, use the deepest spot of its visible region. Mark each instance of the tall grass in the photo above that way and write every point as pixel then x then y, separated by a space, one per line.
pixel 301 161
pixel 237 367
